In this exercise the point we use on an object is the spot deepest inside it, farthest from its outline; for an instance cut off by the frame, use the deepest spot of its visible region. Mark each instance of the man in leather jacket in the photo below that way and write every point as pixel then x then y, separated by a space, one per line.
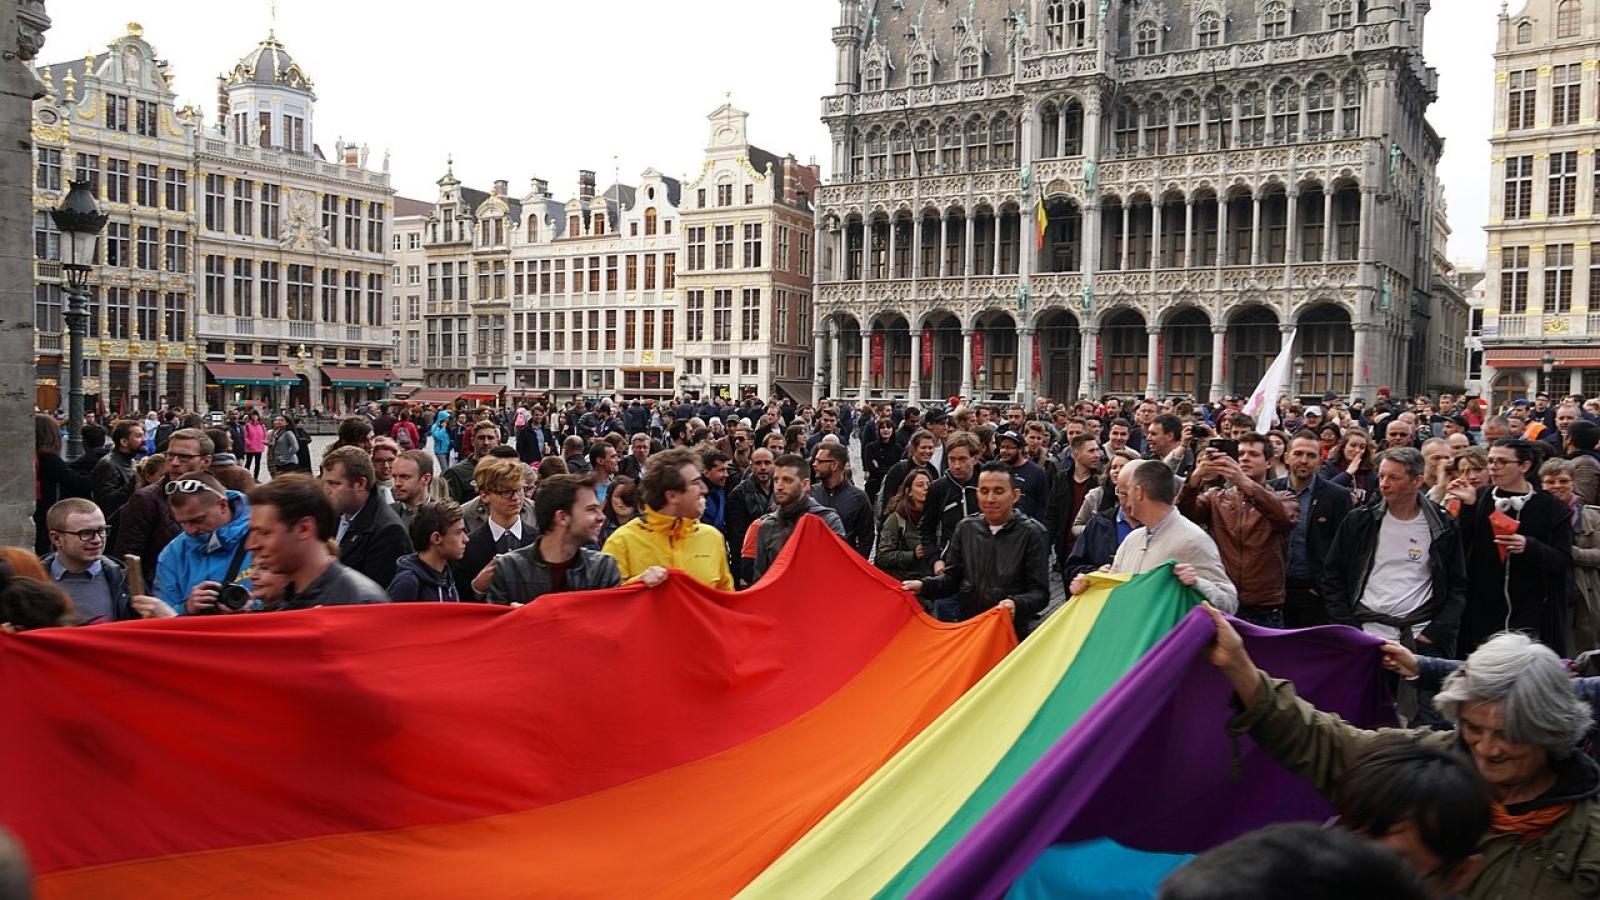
pixel 791 488
pixel 999 557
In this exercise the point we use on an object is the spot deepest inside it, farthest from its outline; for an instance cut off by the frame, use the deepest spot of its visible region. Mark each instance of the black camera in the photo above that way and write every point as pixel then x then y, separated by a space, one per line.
pixel 233 596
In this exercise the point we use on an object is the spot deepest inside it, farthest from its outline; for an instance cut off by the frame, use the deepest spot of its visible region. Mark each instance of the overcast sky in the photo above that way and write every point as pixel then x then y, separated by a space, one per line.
pixel 546 88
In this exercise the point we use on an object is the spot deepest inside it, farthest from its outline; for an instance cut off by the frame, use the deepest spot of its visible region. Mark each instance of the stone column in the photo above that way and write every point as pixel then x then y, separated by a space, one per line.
pixel 1156 261
pixel 1086 360
pixel 1152 354
pixel 916 364
pixel 1188 232
pixel 1360 386
pixel 1255 230
pixel 1222 232
pixel 818 274
pixel 1574 382
pixel 1025 367
pixel 1291 232
pixel 1127 236
pixel 835 363
pixel 966 362
pixel 1327 224
pixel 1219 342
pixel 819 378
pixel 916 250
pixel 866 364
pixel 867 230
pixel 23 36
pixel 944 243
pixel 968 264
pixel 888 263
pixel 996 268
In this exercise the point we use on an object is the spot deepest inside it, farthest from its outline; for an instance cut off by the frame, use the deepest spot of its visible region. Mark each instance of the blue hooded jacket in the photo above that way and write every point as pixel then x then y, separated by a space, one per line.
pixel 441 434
pixel 189 560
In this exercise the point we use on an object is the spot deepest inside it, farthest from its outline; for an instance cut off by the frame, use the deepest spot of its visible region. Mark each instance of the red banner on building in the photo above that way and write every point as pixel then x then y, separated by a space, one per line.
pixel 877 353
pixel 977 351
pixel 1038 361
pixel 927 351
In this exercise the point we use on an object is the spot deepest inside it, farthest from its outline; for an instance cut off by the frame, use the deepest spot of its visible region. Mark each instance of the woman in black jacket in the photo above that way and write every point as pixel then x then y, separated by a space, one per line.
pixel 1527 589
pixel 54 480
pixel 879 455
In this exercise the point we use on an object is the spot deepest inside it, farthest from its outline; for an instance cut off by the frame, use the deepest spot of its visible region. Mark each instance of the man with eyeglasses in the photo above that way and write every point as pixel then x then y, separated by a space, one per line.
pixel 371 538
pixel 384 452
pixel 215 523
pixel 833 489
pixel 502 494
pixel 146 525
pixel 97 585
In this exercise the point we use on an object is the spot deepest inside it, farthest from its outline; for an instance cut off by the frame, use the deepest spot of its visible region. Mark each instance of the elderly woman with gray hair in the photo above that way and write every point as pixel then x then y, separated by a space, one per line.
pixel 1516 718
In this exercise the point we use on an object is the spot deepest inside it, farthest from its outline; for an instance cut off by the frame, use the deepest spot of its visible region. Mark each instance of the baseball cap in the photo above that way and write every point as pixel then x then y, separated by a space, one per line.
pixel 1329 396
pixel 1314 411
pixel 1008 436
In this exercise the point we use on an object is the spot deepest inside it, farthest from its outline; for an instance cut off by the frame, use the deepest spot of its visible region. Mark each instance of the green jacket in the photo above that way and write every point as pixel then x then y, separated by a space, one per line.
pixel 897 550
pixel 1320 746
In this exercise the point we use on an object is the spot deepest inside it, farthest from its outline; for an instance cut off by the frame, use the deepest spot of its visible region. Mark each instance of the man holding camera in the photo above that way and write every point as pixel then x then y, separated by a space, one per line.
pixel 194 567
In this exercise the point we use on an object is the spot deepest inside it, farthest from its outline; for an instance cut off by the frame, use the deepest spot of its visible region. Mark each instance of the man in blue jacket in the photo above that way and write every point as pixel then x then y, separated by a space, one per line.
pixel 215 523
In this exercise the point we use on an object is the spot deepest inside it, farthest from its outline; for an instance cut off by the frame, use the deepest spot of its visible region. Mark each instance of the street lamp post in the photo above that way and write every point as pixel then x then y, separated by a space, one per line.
pixel 1549 365
pixel 81 221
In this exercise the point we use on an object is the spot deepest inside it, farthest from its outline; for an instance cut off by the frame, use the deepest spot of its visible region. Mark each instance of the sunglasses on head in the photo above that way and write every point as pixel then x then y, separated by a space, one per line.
pixel 191 486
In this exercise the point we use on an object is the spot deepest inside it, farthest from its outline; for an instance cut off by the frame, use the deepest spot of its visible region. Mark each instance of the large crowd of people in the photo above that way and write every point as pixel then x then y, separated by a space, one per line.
pixel 1450 530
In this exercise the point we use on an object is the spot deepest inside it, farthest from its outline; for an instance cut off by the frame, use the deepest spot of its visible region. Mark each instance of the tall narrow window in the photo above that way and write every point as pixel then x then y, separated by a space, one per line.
pixel 1563 184
pixel 921 70
pixel 1055 18
pixel 1285 112
pixel 750 315
pixel 1155 125
pixel 970 63
pixel 1565 93
pixel 1319 108
pixel 872 79
pixel 1522 89
pixel 1208 30
pixel 1568 18
pixel 1518 187
pixel 1077 22
pixel 1513 281
pixel 1350 105
pixel 1186 123
pixel 1341 13
pixel 1144 38
pixel 1252 115
pixel 244 192
pixel 47 176
pixel 1275 20
pixel 1557 278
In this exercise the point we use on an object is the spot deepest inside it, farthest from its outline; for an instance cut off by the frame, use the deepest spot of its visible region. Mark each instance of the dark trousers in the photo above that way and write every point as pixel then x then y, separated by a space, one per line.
pixel 1265 616
pixel 1303 606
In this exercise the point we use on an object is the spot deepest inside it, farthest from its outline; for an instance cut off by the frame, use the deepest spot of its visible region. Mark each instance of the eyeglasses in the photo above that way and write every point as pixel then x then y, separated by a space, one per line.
pixel 191 486
pixel 510 495
pixel 184 456
pixel 87 534
pixel 1496 462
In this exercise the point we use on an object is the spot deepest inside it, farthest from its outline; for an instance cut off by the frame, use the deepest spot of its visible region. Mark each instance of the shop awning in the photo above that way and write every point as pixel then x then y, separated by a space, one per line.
pixel 252 374
pixel 353 376
pixel 404 391
pixel 1533 357
pixel 483 391
pixel 798 391
pixel 526 395
pixel 435 395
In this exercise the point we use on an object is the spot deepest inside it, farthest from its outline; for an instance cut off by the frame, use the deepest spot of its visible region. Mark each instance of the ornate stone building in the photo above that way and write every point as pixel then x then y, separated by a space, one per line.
pixel 593 293
pixel 110 119
pixel 408 262
pixel 291 249
pixel 1061 198
pixel 747 269
pixel 1542 281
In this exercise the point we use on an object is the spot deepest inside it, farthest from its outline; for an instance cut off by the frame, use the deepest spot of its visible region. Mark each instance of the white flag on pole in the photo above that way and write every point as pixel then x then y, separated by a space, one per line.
pixel 1263 402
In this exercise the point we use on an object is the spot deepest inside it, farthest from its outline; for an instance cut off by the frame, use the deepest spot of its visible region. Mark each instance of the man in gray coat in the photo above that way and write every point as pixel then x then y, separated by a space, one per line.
pixel 791 487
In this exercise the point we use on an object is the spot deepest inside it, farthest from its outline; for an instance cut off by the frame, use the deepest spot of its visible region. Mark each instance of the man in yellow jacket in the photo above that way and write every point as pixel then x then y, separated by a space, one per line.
pixel 670 533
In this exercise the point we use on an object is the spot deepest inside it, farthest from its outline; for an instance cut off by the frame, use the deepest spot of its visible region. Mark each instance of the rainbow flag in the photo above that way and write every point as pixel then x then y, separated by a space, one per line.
pixel 667 742
pixel 1041 221
pixel 1108 723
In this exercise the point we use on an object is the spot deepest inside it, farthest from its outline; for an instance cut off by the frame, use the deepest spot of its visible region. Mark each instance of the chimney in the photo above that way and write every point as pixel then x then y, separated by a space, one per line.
pixel 800 182
pixel 585 184
pixel 352 155
pixel 539 188
pixel 500 187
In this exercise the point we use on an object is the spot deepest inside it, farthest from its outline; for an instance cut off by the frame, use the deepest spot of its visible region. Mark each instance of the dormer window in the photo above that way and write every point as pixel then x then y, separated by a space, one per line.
pixel 921 70
pixel 971 63
pixel 1275 20
pixel 1525 33
pixel 599 223
pixel 1208 30
pixel 574 226
pixel 872 80
pixel 1341 13
pixel 1146 39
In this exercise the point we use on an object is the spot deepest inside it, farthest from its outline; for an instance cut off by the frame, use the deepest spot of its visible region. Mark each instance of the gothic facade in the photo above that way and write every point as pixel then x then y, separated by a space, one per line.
pixel 1060 199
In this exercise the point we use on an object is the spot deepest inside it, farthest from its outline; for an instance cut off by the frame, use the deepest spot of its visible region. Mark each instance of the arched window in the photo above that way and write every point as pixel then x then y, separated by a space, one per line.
pixel 1275 20
pixel 1252 115
pixel 921 70
pixel 1077 21
pixel 977 140
pixel 1146 39
pixel 859 161
pixel 877 153
pixel 1055 17
pixel 949 146
pixel 1186 123
pixel 1341 13
pixel 924 146
pixel 1208 29
pixel 650 221
pixel 1285 112
pixel 1525 32
pixel 1319 108
pixel 1568 17
pixel 533 229
pixel 1350 105
pixel 872 80
pixel 971 63
pixel 1127 128
pixel 1003 135
pixel 1155 124
pixel 1219 119
pixel 899 152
